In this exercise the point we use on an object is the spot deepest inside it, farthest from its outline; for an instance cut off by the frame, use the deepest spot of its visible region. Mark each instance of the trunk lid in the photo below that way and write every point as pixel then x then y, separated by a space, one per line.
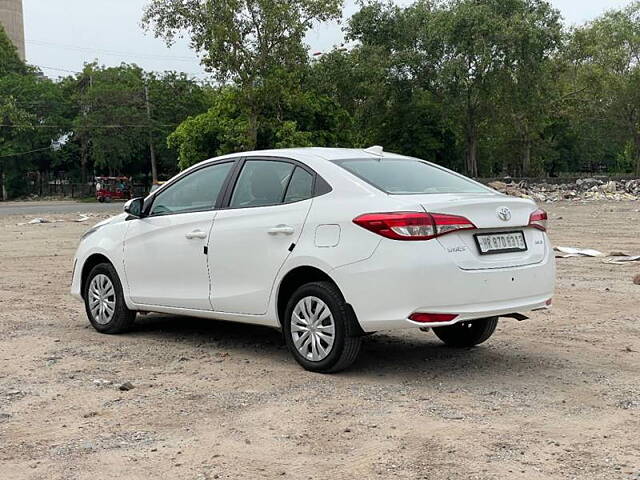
pixel 482 210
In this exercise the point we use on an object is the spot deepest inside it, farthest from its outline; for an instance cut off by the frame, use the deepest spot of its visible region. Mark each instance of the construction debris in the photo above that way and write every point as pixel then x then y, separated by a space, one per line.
pixel 567 252
pixel 82 217
pixel 585 189
pixel 615 258
pixel 623 260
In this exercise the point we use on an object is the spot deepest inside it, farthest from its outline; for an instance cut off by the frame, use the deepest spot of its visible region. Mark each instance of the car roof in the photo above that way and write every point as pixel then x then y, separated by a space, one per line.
pixel 317 152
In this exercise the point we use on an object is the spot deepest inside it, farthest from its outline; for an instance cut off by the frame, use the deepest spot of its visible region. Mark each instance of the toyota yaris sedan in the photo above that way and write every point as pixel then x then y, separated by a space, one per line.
pixel 327 245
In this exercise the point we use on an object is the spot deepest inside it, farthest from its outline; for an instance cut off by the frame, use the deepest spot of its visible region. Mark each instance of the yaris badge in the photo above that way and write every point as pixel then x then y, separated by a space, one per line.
pixel 504 214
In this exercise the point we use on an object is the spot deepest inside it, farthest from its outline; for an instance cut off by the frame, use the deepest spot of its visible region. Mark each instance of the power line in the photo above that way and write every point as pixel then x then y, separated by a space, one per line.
pixel 57 69
pixel 153 56
pixel 194 74
pixel 25 153
pixel 91 126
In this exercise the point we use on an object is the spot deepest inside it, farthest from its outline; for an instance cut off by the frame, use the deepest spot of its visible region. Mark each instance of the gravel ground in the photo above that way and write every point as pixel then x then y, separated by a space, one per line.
pixel 557 396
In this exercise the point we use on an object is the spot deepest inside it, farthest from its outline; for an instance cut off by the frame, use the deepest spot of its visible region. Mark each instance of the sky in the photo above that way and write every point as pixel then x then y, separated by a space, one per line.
pixel 61 35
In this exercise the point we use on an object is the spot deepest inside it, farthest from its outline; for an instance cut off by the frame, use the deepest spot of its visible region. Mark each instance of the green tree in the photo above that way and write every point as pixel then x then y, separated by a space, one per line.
pixel 606 55
pixel 9 60
pixel 172 98
pixel 33 116
pixel 293 116
pixel 15 122
pixel 532 36
pixel 111 119
pixel 218 131
pixel 243 41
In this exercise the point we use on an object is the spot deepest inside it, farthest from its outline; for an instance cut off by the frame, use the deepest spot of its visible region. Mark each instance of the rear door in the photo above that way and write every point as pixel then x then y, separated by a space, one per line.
pixel 256 232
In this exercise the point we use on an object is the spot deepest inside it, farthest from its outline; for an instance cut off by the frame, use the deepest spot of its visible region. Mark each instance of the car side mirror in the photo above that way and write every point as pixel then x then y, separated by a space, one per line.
pixel 134 207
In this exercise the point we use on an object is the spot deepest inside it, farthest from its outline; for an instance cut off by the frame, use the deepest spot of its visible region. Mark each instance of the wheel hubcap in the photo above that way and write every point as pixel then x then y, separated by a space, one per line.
pixel 312 329
pixel 102 299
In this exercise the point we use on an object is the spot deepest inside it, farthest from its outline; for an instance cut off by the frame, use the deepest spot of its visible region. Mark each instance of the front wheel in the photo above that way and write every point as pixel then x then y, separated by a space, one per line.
pixel 320 328
pixel 467 334
pixel 104 301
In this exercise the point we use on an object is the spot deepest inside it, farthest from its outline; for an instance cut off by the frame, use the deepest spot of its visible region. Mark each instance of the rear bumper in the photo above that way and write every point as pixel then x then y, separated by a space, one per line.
pixel 401 278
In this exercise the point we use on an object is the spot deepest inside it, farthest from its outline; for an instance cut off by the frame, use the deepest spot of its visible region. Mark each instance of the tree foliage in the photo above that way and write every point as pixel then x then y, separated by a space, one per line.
pixel 488 87
pixel 243 41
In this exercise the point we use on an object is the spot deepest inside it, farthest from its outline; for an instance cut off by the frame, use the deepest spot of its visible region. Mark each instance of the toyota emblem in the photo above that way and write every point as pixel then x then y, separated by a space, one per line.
pixel 504 214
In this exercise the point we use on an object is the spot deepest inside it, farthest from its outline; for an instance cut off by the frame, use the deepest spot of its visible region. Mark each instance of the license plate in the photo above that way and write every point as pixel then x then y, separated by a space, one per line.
pixel 503 242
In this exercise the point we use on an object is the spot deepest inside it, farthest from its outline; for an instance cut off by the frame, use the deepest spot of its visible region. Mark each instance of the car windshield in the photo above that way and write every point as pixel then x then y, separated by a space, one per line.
pixel 407 176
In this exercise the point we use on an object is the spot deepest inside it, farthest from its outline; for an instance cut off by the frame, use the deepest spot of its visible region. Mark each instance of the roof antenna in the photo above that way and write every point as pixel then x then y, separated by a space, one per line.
pixel 376 150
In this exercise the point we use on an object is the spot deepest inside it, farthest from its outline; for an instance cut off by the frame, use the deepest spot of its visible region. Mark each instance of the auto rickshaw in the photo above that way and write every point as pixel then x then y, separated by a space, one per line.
pixel 112 188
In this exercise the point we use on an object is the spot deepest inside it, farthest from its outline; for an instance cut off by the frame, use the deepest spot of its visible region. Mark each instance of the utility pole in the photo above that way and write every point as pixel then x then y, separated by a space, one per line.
pixel 3 192
pixel 85 137
pixel 152 149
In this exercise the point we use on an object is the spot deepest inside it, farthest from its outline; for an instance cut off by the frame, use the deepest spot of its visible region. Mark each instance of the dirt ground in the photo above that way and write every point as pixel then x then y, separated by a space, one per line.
pixel 557 396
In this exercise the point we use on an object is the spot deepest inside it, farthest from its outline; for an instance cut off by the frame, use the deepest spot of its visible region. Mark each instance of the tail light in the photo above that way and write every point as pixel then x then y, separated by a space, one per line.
pixel 538 219
pixel 412 225
pixel 432 317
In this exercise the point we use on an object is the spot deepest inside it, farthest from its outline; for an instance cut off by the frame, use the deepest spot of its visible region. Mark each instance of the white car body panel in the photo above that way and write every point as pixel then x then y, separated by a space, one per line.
pixel 109 244
pixel 383 280
pixel 245 254
pixel 165 268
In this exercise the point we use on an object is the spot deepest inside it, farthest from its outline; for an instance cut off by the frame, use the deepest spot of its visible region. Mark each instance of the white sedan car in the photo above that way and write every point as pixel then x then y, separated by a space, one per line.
pixel 327 245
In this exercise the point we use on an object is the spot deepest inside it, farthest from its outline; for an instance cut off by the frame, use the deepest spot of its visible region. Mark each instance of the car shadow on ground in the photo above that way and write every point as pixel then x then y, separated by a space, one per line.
pixel 405 352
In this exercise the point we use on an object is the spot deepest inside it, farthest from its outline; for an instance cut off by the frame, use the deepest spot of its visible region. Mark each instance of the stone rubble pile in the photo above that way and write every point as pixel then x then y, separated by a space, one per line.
pixel 585 189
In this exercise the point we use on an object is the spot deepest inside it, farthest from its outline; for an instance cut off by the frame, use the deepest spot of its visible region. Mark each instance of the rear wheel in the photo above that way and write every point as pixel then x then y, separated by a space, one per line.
pixel 467 334
pixel 104 301
pixel 320 328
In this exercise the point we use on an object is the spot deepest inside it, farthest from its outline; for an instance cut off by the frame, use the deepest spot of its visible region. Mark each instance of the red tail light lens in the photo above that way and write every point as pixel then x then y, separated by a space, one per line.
pixel 538 219
pixel 412 225
pixel 432 317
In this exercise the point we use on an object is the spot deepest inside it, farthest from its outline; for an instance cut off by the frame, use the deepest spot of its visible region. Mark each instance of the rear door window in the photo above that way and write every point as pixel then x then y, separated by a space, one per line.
pixel 261 183
pixel 300 187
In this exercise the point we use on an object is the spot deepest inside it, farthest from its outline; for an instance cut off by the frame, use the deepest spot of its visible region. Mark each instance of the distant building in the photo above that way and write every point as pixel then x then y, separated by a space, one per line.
pixel 12 20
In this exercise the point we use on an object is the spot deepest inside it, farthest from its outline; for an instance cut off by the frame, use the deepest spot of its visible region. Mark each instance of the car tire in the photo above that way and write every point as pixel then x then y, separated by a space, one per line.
pixel 101 199
pixel 467 334
pixel 332 342
pixel 104 301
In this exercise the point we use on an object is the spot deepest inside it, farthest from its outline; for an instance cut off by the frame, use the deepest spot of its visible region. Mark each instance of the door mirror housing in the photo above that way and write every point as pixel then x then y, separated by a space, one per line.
pixel 135 207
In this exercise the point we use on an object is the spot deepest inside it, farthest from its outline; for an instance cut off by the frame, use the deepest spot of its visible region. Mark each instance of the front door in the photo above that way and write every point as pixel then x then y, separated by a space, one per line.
pixel 253 236
pixel 164 253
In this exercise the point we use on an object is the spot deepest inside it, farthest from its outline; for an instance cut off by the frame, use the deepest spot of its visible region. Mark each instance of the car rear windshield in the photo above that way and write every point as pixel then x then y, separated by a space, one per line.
pixel 408 176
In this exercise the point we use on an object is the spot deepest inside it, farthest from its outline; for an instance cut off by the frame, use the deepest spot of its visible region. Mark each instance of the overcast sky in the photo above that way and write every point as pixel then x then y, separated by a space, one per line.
pixel 64 34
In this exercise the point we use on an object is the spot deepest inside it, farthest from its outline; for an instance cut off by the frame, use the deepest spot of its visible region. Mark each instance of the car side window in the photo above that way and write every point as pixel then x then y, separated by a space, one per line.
pixel 261 183
pixel 196 192
pixel 300 187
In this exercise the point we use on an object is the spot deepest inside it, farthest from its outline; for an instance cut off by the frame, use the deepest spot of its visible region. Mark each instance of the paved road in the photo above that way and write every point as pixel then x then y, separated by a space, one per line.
pixel 57 207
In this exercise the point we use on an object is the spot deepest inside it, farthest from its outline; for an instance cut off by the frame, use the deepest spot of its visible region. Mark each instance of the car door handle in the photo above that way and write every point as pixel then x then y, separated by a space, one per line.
pixel 284 229
pixel 196 234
